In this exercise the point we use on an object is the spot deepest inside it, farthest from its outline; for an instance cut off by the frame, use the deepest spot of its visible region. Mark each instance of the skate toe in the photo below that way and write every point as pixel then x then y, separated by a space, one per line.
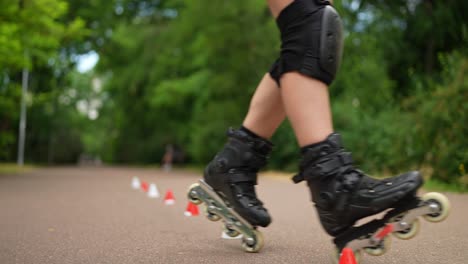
pixel 259 218
pixel 411 180
pixel 263 219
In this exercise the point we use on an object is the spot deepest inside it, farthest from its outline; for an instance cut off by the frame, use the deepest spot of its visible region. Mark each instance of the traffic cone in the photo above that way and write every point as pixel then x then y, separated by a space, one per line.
pixel 347 257
pixel 169 198
pixel 144 186
pixel 153 191
pixel 135 183
pixel 192 209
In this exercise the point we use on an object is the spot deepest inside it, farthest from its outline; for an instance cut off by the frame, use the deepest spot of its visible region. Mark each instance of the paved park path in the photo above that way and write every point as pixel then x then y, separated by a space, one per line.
pixel 92 215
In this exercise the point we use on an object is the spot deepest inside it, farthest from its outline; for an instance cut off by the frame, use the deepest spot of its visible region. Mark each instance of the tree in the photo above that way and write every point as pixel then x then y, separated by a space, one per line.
pixel 31 35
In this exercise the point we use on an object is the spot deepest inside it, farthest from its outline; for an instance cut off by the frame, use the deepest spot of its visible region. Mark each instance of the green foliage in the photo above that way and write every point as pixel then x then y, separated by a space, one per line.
pixel 31 30
pixel 9 99
pixel 201 68
pixel 182 72
pixel 441 121
pixel 365 111
pixel 33 36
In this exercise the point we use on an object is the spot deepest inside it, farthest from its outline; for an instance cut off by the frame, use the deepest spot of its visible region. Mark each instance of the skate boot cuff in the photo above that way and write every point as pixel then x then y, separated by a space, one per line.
pixel 323 158
pixel 258 144
pixel 331 144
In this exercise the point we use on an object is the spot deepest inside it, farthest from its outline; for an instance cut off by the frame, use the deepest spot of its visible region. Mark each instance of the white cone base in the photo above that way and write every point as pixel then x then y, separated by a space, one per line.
pixel 153 195
pixel 169 202
pixel 153 191
pixel 135 183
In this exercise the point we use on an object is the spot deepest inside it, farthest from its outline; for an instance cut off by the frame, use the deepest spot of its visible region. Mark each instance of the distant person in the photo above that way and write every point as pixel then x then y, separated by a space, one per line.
pixel 168 158
pixel 296 87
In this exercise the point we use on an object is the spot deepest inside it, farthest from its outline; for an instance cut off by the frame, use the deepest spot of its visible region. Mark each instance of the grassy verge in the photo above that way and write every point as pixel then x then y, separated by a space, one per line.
pixel 12 168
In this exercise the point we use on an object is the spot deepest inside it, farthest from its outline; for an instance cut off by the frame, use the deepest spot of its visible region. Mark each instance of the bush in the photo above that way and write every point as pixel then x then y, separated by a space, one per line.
pixel 441 120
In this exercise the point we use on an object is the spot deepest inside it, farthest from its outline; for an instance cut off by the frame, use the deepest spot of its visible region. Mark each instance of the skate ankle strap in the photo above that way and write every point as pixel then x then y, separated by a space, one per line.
pixel 238 176
pixel 298 178
pixel 330 164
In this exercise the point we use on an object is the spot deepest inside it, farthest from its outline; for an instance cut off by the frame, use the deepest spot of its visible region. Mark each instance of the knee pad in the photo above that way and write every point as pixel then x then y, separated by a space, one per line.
pixel 331 41
pixel 312 52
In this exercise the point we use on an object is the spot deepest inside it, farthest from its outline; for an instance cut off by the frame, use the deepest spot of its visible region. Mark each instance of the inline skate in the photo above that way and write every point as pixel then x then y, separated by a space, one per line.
pixel 228 188
pixel 343 195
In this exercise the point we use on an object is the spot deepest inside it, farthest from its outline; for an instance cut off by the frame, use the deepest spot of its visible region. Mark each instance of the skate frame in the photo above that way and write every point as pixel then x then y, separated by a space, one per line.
pixel 215 205
pixel 372 234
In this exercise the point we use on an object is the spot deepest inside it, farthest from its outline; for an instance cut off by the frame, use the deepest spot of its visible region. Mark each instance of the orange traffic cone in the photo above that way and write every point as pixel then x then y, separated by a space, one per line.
pixel 144 186
pixel 347 256
pixel 169 198
pixel 192 209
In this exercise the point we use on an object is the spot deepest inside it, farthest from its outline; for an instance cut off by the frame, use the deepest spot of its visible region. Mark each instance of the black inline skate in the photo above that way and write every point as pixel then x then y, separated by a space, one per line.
pixel 228 187
pixel 343 195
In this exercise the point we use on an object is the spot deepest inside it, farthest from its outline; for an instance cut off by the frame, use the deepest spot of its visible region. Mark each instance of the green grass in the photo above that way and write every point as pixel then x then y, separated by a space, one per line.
pixel 12 168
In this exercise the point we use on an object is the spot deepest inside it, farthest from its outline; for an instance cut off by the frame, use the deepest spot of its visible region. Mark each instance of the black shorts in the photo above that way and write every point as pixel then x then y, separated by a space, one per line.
pixel 300 25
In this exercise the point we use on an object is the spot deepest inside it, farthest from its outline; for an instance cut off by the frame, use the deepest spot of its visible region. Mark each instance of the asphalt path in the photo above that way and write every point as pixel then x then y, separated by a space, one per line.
pixel 92 215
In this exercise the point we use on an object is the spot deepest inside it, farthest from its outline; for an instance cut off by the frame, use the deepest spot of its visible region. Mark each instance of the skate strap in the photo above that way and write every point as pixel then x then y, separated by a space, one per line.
pixel 298 178
pixel 325 166
pixel 333 163
pixel 242 176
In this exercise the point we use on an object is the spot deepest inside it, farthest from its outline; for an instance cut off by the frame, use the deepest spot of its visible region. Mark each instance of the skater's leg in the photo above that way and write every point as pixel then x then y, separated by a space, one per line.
pixel 266 110
pixel 307 105
pixel 307 65
pixel 341 193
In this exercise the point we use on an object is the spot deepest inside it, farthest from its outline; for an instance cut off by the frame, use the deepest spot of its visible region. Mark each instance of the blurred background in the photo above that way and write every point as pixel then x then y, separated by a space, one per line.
pixel 127 81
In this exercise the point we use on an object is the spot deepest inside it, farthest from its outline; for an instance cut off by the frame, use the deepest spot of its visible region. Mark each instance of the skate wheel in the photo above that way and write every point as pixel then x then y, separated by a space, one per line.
pixel 192 194
pixel 336 255
pixel 439 200
pixel 211 216
pixel 254 244
pixel 410 232
pixel 381 249
pixel 230 232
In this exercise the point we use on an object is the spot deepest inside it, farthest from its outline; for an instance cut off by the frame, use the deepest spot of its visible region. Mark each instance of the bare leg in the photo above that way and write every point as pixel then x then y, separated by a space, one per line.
pixel 266 111
pixel 307 106
pixel 277 5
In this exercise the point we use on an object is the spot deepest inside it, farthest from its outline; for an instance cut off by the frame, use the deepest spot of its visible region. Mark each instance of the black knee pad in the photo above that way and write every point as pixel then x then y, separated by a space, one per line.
pixel 311 40
pixel 331 41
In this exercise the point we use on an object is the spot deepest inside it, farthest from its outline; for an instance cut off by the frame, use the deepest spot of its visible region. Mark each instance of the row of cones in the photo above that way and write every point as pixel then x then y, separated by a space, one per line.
pixel 169 199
